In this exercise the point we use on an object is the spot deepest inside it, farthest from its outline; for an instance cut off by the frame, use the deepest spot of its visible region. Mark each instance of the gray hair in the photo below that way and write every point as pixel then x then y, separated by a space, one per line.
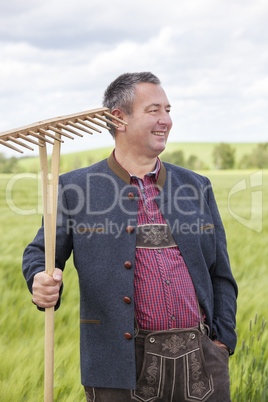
pixel 121 92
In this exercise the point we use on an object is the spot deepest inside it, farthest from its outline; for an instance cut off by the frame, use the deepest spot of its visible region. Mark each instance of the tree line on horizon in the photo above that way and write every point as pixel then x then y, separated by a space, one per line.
pixel 224 157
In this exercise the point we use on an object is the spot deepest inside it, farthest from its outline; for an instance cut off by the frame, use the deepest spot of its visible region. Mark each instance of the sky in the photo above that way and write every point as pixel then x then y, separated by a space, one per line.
pixel 57 57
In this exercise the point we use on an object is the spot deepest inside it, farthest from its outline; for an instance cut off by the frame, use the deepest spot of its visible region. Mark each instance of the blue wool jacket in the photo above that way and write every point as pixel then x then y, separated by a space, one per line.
pixel 97 218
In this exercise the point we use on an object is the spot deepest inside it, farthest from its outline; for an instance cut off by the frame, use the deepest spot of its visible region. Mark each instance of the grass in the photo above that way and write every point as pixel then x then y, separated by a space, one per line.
pixel 249 377
pixel 249 259
pixel 22 326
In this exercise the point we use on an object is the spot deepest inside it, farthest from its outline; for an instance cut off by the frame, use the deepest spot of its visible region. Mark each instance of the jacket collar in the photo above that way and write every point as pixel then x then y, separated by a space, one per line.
pixel 125 176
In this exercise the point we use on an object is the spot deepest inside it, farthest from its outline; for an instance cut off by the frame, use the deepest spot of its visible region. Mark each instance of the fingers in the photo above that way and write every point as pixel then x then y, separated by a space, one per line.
pixel 57 275
pixel 46 288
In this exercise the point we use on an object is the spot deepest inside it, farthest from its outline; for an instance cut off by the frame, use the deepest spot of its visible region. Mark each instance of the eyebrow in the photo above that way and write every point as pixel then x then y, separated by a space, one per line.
pixel 156 105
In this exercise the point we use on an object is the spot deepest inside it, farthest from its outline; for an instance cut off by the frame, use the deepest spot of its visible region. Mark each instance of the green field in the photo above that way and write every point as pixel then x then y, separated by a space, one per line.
pixel 22 326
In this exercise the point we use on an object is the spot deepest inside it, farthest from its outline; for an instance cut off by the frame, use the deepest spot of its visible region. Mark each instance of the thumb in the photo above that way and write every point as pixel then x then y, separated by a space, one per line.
pixel 57 275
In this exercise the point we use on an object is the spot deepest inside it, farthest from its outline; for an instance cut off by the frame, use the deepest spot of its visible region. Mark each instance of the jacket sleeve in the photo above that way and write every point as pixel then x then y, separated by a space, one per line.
pixel 224 286
pixel 34 254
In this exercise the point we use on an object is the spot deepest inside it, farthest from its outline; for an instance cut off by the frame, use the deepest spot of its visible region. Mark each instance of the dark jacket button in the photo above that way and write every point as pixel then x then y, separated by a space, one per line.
pixel 130 229
pixel 131 196
pixel 128 264
pixel 127 300
pixel 128 335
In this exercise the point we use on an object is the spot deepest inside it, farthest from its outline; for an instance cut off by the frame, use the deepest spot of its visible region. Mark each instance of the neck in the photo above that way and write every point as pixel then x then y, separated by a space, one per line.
pixel 138 166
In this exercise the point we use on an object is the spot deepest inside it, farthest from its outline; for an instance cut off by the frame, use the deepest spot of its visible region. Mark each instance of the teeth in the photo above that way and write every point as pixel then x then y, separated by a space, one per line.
pixel 160 133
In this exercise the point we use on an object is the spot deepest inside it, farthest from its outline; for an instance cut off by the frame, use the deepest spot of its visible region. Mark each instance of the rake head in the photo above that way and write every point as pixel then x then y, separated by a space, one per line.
pixel 67 126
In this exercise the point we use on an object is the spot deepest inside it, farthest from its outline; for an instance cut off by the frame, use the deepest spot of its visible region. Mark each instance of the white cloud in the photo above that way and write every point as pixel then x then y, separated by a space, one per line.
pixel 57 57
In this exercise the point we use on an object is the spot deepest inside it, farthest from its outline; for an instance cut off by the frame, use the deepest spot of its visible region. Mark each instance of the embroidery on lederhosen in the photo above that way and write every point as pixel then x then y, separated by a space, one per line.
pixel 198 388
pixel 183 348
pixel 174 344
pixel 150 383
pixel 151 378
pixel 154 236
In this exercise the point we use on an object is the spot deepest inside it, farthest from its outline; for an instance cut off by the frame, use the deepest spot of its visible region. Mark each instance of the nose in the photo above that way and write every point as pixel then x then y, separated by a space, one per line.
pixel 165 119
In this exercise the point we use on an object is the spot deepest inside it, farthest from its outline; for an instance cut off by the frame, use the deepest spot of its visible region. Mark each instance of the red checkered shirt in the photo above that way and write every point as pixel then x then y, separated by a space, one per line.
pixel 165 297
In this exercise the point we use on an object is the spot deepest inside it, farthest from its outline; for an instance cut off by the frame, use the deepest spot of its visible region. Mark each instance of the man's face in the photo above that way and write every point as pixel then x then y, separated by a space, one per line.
pixel 149 125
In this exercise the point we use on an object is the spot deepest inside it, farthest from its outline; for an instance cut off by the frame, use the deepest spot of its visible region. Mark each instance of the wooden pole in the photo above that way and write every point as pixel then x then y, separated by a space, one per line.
pixel 50 195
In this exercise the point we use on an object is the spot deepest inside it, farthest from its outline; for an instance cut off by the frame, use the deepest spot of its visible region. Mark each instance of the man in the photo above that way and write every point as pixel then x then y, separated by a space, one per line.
pixel 158 299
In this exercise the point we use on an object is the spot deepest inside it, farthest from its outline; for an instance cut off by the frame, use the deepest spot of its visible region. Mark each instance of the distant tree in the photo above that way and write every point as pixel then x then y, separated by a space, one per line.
pixel 257 159
pixel 194 163
pixel 178 158
pixel 8 165
pixel 224 156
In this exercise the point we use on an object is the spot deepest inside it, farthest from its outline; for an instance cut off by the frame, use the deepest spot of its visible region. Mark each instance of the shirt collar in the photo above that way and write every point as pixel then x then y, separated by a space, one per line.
pixel 155 172
pixel 124 175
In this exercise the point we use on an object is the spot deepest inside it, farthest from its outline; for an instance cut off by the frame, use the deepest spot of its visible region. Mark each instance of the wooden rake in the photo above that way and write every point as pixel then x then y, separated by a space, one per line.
pixel 51 132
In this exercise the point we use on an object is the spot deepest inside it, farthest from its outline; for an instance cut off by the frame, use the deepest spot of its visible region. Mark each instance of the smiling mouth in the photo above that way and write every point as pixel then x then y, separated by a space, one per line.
pixel 158 133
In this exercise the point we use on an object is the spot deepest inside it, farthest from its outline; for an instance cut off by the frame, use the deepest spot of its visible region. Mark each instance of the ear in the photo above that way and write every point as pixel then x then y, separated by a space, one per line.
pixel 121 115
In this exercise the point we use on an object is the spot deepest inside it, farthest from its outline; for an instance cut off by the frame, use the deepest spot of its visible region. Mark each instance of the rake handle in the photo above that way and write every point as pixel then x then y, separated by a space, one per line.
pixel 50 195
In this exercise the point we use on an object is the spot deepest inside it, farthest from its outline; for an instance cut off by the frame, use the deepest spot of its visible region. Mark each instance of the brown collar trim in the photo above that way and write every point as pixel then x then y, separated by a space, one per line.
pixel 161 177
pixel 118 169
pixel 124 175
